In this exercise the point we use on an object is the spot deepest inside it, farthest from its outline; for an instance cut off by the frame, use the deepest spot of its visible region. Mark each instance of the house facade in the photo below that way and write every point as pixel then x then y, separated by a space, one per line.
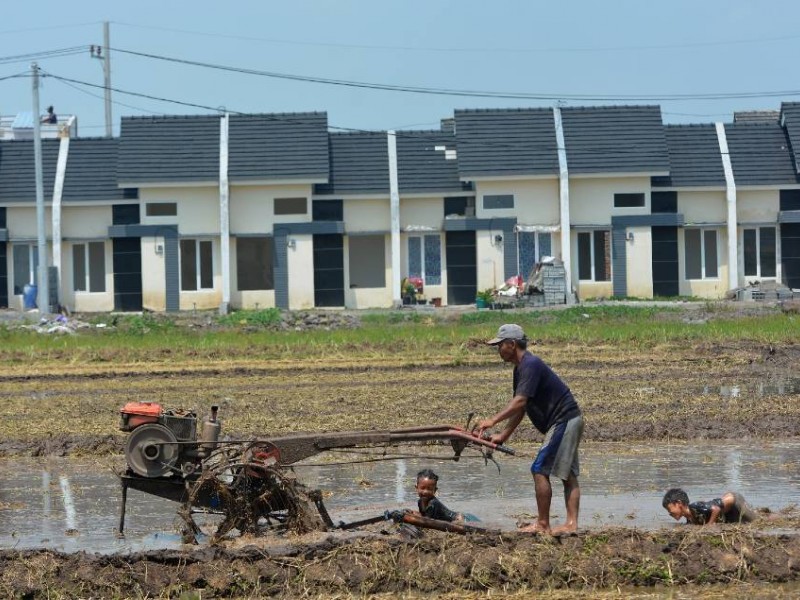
pixel 255 211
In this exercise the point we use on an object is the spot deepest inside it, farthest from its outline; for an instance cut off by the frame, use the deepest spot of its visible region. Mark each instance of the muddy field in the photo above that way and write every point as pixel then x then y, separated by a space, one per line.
pixel 675 390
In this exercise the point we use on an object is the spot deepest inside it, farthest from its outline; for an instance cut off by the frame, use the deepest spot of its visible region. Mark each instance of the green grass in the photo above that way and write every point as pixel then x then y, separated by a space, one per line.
pixel 145 337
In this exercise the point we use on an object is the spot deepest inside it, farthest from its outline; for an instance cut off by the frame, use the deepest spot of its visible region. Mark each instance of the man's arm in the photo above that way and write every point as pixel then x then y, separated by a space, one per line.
pixel 513 412
pixel 715 513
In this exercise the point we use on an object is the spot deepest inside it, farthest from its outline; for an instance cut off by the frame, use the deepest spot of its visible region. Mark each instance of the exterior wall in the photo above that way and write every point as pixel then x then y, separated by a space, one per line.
pixel 85 222
pixel 591 200
pixel 536 201
pixel 639 262
pixel 252 208
pixel 198 209
pixel 21 223
pixel 489 259
pixel 584 289
pixel 154 291
pixel 703 207
pixel 757 206
pixel 369 297
pixel 367 215
pixel 427 212
pixel 300 261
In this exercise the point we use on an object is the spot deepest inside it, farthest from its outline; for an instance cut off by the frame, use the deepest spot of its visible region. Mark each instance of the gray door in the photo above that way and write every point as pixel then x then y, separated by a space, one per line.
pixel 462 271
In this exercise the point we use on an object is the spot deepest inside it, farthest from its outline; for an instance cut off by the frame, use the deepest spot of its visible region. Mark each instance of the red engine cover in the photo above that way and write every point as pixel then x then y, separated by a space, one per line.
pixel 138 413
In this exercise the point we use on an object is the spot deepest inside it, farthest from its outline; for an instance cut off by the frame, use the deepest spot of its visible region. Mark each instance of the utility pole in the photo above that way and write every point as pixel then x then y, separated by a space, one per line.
pixel 104 53
pixel 43 301
pixel 107 78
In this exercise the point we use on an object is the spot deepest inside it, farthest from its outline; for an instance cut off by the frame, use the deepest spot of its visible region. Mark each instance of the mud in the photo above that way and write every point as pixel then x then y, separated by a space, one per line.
pixel 434 563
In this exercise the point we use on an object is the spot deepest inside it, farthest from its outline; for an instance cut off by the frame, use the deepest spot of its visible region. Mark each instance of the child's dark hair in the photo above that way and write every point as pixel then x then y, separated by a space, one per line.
pixel 427 474
pixel 675 495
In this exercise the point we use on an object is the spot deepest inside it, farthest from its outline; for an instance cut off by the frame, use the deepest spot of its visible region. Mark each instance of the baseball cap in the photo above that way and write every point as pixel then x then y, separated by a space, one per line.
pixel 509 331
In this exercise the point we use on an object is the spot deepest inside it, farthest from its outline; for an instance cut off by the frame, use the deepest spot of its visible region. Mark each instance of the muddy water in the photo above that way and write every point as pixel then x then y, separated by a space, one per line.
pixel 73 504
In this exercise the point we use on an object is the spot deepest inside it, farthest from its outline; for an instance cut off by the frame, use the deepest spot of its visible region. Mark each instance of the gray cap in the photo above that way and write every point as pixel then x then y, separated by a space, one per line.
pixel 509 331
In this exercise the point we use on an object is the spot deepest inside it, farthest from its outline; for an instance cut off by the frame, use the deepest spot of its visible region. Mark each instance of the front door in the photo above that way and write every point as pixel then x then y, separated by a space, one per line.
pixel 127 274
pixel 3 275
pixel 665 262
pixel 790 254
pixel 328 269
pixel 462 271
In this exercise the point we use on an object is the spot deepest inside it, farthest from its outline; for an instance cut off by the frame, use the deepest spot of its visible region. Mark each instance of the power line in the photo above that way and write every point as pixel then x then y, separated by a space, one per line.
pixel 88 93
pixel 484 50
pixel 43 55
pixel 465 93
pixel 587 151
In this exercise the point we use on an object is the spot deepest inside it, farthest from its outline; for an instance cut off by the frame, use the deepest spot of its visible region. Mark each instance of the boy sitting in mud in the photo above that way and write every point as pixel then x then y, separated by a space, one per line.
pixel 730 508
pixel 429 505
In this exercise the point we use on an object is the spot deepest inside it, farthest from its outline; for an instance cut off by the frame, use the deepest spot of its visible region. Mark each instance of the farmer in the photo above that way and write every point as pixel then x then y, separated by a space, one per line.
pixel 429 505
pixel 731 507
pixel 540 393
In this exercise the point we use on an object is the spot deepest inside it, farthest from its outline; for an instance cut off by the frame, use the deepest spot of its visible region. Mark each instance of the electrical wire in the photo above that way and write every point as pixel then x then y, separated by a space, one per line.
pixel 484 50
pixel 589 150
pixel 464 92
pixel 43 55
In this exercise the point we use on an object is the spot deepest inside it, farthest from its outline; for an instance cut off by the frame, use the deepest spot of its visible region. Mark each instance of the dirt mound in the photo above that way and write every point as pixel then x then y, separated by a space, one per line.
pixel 435 564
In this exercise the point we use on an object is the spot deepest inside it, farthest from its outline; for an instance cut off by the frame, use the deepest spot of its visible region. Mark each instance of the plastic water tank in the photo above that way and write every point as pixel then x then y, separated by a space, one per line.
pixel 29 296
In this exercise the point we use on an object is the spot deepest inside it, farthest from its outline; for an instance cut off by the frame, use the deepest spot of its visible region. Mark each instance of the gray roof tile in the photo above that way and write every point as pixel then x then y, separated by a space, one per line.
pixel 421 168
pixel 92 171
pixel 168 149
pixel 790 116
pixel 694 157
pixel 760 154
pixel 359 164
pixel 18 172
pixel 615 139
pixel 505 142
pixel 285 146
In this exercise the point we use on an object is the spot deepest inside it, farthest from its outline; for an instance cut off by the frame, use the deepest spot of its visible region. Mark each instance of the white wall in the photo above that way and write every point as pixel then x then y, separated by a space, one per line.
pixel 300 260
pixel 366 215
pixel 639 263
pixel 154 292
pixel 591 200
pixel 428 212
pixel 491 272
pixel 757 206
pixel 21 223
pixel 252 208
pixel 85 221
pixel 703 207
pixel 536 201
pixel 198 209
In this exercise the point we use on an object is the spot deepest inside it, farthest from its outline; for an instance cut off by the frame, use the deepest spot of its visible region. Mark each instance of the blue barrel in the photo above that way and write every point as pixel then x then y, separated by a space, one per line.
pixel 29 296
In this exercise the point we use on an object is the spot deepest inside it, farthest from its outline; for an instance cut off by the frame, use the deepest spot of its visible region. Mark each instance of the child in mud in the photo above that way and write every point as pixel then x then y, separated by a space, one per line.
pixel 429 505
pixel 730 508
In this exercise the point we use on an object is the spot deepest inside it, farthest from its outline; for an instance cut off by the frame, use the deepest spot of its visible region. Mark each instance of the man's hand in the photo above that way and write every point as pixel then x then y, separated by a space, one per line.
pixel 483 425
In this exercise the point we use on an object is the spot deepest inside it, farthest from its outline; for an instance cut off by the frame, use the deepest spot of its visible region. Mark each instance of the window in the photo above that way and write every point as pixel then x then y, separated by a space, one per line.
pixel 290 206
pixel 594 255
pixel 461 206
pixel 367 261
pixel 197 269
pixel 700 249
pixel 628 200
pixel 425 258
pixel 26 262
pixel 498 201
pixel 254 263
pixel 89 267
pixel 161 209
pixel 531 247
pixel 759 252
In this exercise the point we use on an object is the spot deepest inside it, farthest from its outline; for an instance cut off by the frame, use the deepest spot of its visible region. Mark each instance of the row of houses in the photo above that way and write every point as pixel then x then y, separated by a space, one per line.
pixel 260 210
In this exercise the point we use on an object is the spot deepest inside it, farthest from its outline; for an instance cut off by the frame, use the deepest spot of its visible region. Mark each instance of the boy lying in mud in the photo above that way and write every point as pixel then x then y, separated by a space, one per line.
pixel 429 505
pixel 731 507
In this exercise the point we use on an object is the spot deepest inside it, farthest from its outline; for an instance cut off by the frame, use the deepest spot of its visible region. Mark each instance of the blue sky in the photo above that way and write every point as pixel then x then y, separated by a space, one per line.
pixel 619 49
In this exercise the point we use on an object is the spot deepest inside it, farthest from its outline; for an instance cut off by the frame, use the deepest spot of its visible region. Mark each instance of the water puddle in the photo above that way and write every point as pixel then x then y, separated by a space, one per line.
pixel 783 386
pixel 73 504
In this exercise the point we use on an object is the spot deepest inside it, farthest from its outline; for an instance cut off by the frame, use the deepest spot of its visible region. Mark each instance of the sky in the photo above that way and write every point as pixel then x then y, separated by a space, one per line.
pixel 574 53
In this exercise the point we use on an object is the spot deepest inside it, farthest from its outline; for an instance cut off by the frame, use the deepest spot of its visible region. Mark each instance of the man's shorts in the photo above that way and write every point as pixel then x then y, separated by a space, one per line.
pixel 559 452
pixel 741 511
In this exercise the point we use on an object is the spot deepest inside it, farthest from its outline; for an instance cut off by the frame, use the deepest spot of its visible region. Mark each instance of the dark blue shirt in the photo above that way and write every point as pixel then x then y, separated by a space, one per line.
pixel 701 511
pixel 549 400
pixel 436 510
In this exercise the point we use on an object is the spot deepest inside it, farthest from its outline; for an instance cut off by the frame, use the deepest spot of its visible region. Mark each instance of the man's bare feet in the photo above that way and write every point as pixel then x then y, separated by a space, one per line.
pixel 534 528
pixel 565 528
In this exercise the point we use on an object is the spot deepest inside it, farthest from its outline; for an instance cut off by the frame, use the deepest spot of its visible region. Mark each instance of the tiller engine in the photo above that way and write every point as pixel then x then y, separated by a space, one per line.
pixel 174 455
